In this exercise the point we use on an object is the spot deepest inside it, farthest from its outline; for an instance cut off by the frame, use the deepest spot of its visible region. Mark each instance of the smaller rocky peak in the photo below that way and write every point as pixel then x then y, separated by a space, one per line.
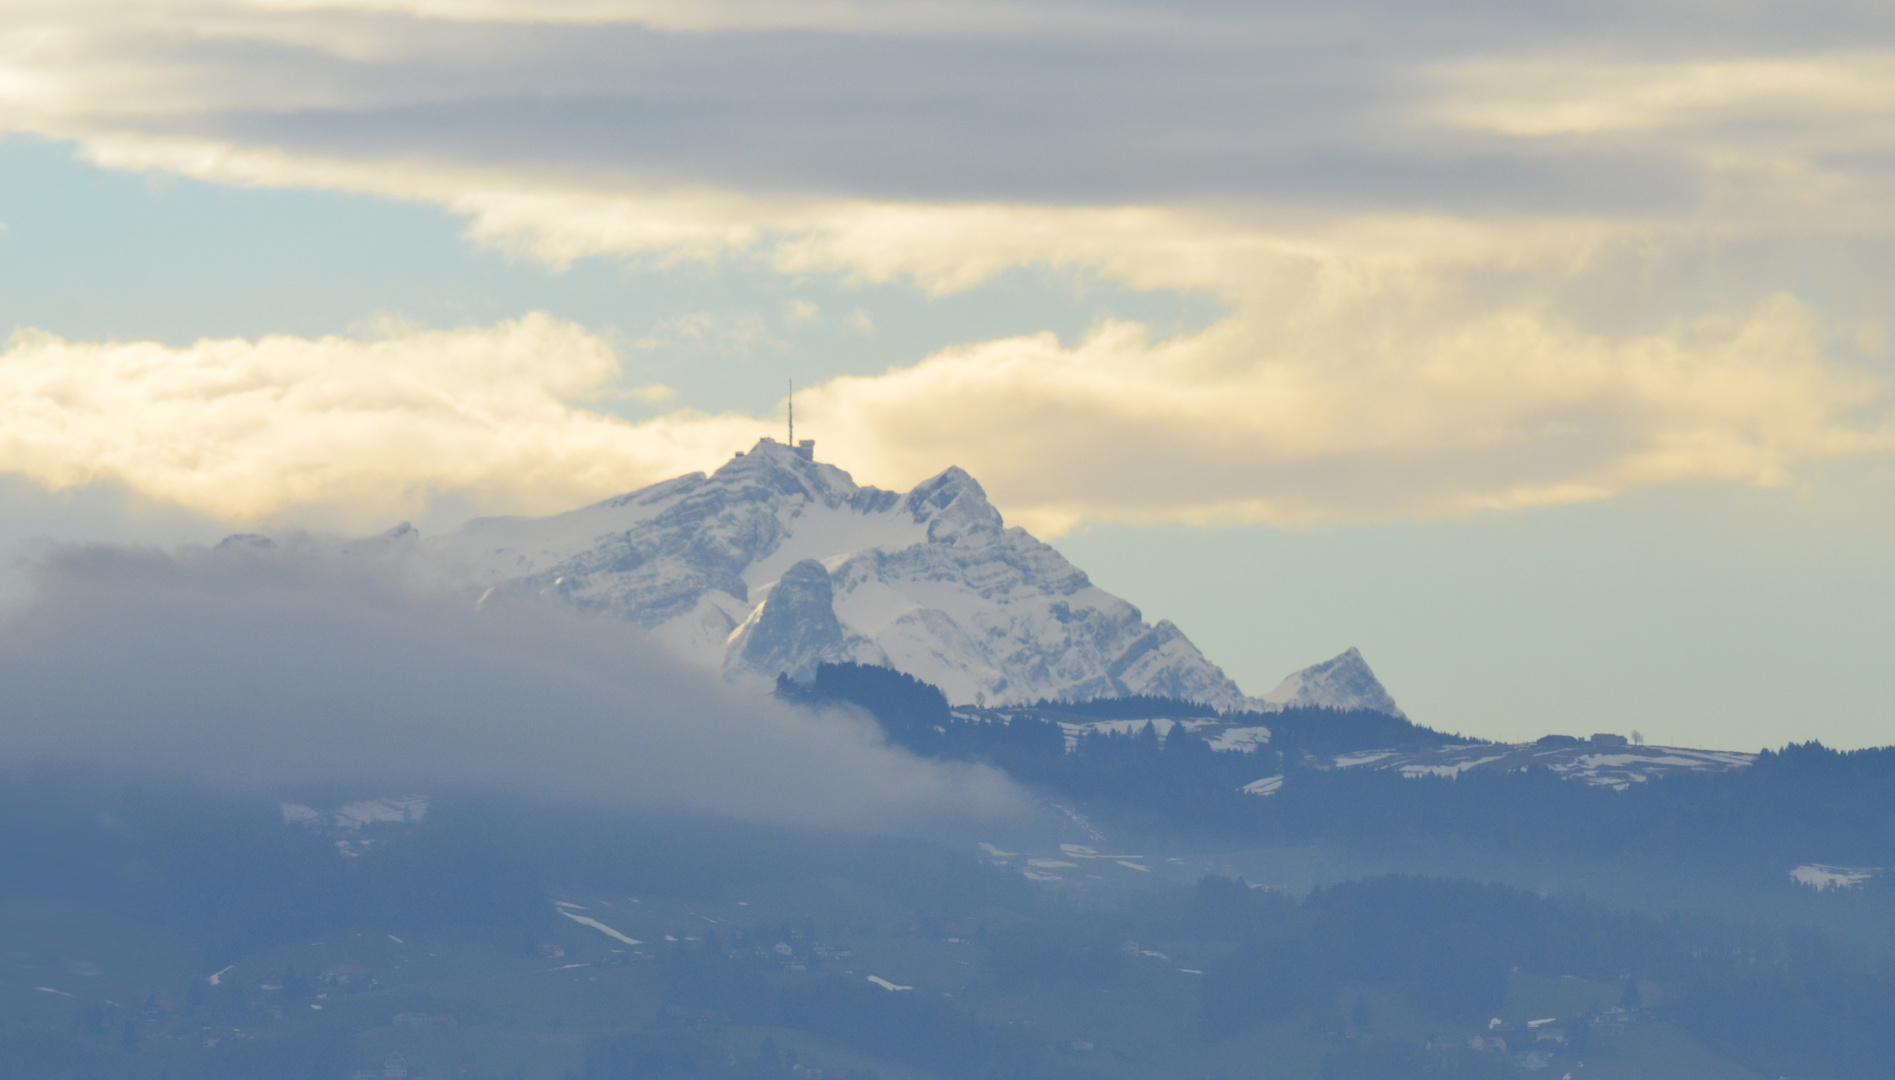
pixel 1162 662
pixel 942 489
pixel 1341 682
pixel 952 503
pixel 795 629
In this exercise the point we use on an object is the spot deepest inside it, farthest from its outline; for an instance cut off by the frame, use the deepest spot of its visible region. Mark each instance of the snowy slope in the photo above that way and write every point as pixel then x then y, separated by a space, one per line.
pixel 1343 682
pixel 775 563
pixel 1601 761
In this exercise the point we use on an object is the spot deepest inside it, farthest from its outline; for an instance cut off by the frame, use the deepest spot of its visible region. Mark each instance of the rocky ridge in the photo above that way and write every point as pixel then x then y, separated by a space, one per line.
pixel 776 562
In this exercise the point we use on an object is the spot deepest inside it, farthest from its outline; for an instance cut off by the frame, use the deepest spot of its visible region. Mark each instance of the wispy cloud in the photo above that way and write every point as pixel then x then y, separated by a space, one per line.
pixel 1558 95
pixel 799 313
pixel 710 333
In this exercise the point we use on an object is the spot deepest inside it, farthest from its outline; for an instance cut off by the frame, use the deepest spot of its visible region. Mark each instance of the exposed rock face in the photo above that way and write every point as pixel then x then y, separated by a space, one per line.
pixel 1344 682
pixel 931 582
pixel 794 628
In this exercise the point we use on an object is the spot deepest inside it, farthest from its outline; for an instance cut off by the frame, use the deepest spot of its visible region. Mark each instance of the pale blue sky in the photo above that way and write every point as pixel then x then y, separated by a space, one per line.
pixel 90 254
pixel 1543 356
pixel 1708 615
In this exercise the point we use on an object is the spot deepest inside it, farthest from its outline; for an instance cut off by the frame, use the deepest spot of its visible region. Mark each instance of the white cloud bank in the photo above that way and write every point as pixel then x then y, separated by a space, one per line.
pixel 1281 418
pixel 351 431
pixel 1263 421
pixel 1464 270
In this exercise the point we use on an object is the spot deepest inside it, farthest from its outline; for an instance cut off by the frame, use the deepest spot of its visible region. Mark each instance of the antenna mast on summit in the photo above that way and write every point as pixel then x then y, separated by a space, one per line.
pixel 792 383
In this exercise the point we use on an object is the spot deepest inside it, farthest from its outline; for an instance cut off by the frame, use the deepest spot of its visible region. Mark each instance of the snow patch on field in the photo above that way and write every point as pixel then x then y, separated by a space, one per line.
pixel 1350 761
pixel 1823 878
pixel 1082 851
pixel 886 985
pixel 1267 786
pixel 1450 771
pixel 1601 761
pixel 583 920
pixel 409 810
pixel 1240 740
pixel 1076 731
pixel 405 810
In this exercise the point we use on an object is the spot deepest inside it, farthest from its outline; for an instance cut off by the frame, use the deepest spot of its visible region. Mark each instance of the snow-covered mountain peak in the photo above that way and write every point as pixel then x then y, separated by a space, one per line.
pixel 1341 682
pixel 776 562
pixel 779 469
pixel 952 504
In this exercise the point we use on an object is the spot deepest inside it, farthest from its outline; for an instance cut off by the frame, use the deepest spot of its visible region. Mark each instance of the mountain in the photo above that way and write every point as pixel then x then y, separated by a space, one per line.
pixel 1343 682
pixel 777 562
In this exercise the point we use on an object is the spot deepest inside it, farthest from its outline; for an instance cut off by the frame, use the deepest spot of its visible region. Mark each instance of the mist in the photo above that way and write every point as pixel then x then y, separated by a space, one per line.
pixel 261 670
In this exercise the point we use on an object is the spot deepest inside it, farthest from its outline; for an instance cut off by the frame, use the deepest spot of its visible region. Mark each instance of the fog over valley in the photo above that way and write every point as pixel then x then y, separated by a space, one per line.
pixel 260 669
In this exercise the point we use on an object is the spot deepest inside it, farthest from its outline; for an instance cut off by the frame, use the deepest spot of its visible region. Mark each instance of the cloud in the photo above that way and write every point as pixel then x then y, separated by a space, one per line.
pixel 904 17
pixel 1511 409
pixel 711 333
pixel 1062 103
pixel 801 313
pixel 1796 143
pixel 259 669
pixel 1570 96
pixel 353 431
pixel 1466 263
pixel 653 394
pixel 1368 368
pixel 1284 412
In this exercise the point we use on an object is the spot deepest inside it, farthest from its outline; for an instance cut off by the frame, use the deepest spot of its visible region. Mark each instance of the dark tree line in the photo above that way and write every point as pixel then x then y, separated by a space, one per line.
pixel 1742 829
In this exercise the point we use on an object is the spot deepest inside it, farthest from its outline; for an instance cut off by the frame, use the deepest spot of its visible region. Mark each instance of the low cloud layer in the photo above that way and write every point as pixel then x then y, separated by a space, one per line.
pixel 259 669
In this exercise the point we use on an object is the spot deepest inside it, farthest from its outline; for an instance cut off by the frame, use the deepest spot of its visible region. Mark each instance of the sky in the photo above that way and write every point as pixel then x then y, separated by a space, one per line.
pixel 1541 352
